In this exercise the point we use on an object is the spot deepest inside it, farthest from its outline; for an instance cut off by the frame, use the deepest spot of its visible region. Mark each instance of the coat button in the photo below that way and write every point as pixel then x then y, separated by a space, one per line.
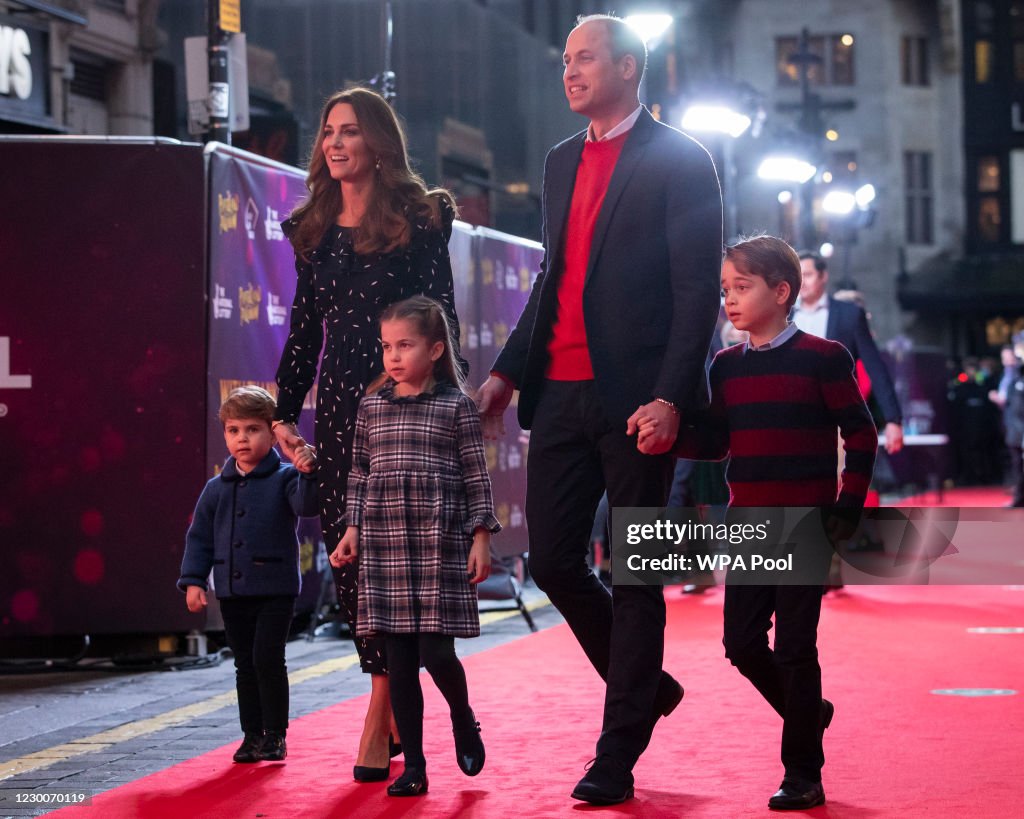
pixel 238 544
pixel 241 513
pixel 241 484
pixel 237 575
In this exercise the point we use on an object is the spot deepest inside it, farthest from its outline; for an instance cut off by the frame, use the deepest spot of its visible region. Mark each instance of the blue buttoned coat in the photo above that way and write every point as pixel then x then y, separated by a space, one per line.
pixel 244 529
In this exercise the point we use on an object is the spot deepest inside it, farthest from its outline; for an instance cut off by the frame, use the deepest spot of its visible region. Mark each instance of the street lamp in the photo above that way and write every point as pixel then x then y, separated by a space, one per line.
pixel 853 211
pixel 783 168
pixel 730 125
pixel 716 119
pixel 649 26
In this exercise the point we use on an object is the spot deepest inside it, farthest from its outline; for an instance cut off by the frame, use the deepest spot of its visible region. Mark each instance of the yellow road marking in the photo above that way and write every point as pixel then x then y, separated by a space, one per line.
pixel 177 716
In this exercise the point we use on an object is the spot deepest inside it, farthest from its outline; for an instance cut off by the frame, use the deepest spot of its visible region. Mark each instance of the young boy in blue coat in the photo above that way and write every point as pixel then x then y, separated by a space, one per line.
pixel 244 529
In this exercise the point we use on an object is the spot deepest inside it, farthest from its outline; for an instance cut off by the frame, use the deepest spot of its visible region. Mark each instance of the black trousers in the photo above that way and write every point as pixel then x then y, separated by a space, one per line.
pixel 575 455
pixel 789 676
pixel 257 630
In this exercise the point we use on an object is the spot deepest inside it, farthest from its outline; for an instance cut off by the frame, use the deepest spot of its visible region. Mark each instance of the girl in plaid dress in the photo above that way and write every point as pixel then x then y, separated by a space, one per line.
pixel 420 517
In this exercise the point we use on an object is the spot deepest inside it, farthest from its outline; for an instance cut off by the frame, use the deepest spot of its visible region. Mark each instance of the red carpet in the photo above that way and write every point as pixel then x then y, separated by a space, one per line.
pixel 894 749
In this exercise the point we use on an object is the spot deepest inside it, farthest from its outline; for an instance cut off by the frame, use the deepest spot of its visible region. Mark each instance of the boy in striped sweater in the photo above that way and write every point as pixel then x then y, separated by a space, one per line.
pixel 778 402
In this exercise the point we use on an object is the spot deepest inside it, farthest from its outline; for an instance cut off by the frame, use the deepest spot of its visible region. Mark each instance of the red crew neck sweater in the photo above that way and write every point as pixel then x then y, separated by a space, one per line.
pixel 569 355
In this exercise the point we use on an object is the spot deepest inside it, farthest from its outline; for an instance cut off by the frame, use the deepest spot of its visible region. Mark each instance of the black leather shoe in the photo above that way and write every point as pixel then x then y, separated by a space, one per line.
pixel 469 748
pixel 607 782
pixel 364 773
pixel 249 750
pixel 667 698
pixel 410 783
pixel 394 748
pixel 794 794
pixel 273 748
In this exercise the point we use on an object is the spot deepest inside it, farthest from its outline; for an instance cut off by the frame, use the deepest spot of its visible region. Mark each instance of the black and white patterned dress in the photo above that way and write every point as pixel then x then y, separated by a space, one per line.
pixel 418 490
pixel 339 296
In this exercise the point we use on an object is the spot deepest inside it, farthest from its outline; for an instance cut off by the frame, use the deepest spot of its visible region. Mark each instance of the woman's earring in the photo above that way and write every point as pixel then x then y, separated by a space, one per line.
pixel 378 163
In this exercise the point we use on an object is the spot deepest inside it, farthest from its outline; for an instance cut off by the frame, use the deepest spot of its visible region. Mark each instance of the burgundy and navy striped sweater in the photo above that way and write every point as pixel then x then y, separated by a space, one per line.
pixel 776 413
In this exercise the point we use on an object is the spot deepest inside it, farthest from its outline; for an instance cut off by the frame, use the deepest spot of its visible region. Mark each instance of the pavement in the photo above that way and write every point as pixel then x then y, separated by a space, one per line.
pixel 64 733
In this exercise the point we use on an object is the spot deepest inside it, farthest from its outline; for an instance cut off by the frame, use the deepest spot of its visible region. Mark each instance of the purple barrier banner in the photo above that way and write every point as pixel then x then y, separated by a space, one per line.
pixel 505 270
pixel 251 286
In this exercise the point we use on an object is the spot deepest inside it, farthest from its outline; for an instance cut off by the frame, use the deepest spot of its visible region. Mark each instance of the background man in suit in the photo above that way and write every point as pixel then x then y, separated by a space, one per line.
pixel 620 318
pixel 818 314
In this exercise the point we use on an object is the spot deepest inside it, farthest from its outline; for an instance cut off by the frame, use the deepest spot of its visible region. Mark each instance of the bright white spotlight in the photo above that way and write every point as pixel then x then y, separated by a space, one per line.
pixel 839 203
pixel 826 250
pixel 786 169
pixel 864 195
pixel 649 26
pixel 785 197
pixel 717 119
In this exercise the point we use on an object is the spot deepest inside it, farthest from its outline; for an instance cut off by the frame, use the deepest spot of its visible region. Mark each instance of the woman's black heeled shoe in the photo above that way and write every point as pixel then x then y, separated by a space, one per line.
pixel 469 748
pixel 363 773
pixel 410 783
pixel 394 748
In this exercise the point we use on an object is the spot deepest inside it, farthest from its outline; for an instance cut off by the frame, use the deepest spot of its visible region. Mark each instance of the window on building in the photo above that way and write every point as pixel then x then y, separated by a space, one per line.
pixel 914 61
pixel 835 65
pixel 917 173
pixel 90 77
pixel 988 184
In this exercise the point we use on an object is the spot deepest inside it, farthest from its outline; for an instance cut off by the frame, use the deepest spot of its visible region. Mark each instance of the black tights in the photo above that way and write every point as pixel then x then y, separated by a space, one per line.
pixel 436 652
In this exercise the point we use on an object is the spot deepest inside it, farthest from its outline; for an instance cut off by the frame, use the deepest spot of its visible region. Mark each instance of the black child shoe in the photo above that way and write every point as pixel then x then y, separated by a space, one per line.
pixel 412 782
pixel 274 748
pixel 249 750
pixel 394 748
pixel 469 747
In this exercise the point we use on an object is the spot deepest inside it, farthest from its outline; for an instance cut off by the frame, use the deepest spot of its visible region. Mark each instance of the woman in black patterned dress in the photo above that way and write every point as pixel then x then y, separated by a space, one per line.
pixel 369 234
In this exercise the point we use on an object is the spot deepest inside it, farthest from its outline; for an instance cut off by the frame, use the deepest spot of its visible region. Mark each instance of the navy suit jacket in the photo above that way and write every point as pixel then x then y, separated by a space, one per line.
pixel 848 324
pixel 651 289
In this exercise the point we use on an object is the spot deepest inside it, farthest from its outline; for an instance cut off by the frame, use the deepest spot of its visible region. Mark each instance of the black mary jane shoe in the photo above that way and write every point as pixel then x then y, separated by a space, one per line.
pixel 394 748
pixel 249 750
pixel 469 748
pixel 364 773
pixel 410 783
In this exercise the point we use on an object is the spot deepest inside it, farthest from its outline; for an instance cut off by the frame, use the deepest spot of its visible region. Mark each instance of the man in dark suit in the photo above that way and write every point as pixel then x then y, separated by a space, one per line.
pixel 847 323
pixel 619 320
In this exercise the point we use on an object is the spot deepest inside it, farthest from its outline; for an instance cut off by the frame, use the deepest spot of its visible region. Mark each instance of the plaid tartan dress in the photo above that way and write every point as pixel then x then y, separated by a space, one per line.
pixel 418 490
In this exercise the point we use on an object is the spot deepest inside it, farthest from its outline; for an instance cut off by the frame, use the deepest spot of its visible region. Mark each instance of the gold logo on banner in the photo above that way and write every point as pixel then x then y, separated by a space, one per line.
pixel 227 207
pixel 249 303
pixel 500 333
pixel 487 276
pixel 503 515
pixel 305 556
pixel 491 456
pixel 524 279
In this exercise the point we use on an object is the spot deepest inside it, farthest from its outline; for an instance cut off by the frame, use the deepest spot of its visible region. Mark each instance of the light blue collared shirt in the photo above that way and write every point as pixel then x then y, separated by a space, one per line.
pixel 778 341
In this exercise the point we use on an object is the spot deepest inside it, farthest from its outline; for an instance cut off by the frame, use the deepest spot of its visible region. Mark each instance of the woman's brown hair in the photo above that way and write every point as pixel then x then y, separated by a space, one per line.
pixel 399 193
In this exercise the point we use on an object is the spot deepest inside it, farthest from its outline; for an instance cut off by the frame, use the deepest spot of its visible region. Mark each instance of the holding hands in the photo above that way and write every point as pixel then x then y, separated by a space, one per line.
pixel 492 399
pixel 347 549
pixel 294 446
pixel 655 425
